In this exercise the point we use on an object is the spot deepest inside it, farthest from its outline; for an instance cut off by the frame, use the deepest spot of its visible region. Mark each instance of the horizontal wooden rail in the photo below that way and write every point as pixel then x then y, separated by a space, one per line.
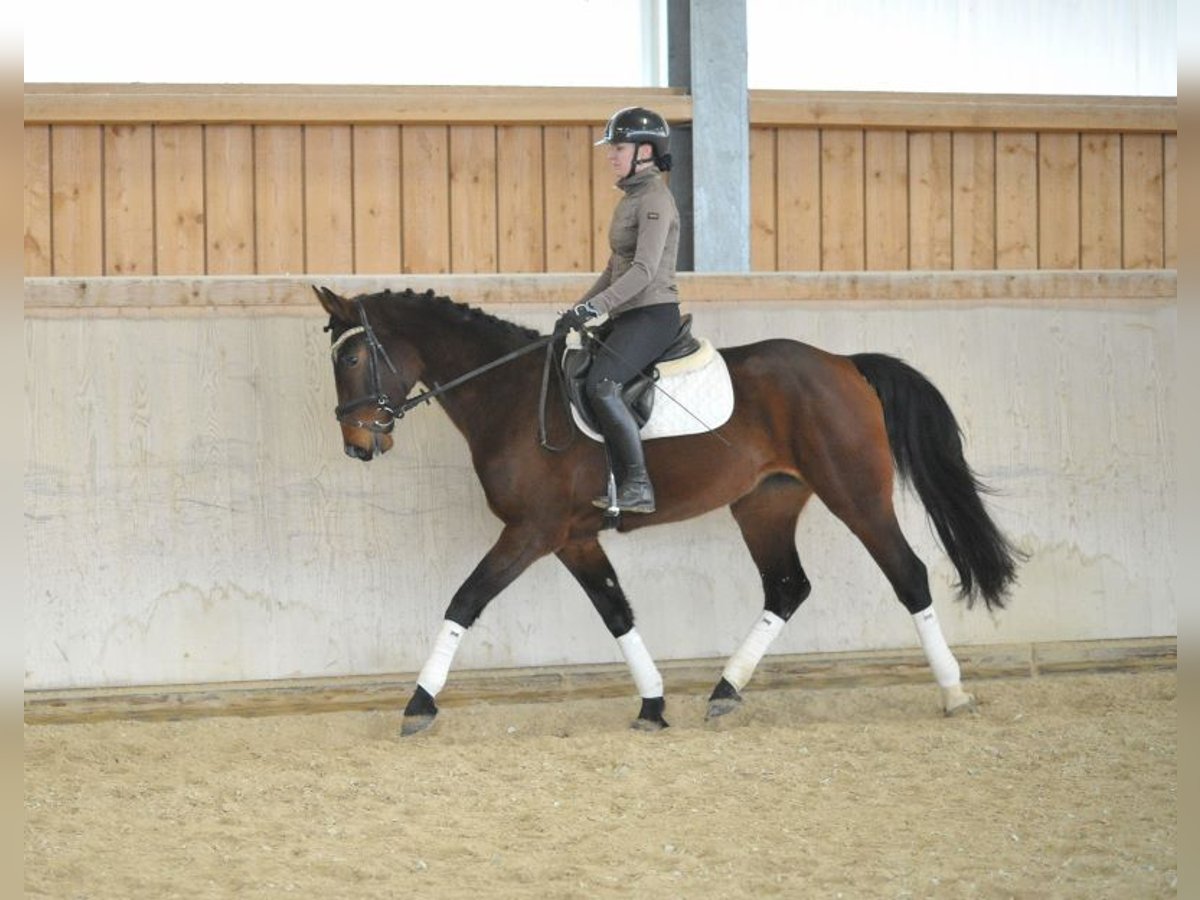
pixel 333 104
pixel 47 297
pixel 962 112
pixel 325 104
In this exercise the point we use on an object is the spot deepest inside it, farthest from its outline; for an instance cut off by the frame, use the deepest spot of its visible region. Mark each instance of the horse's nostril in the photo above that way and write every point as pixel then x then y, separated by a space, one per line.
pixel 357 452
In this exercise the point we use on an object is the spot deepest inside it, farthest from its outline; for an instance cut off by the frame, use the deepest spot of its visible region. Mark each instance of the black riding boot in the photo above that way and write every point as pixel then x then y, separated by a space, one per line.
pixel 634 491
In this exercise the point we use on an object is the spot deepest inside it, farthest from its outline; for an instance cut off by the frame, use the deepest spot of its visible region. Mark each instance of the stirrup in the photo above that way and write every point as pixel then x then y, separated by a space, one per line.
pixel 635 496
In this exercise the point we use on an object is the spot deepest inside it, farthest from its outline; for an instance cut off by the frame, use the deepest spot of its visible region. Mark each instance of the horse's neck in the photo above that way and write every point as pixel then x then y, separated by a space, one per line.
pixel 452 349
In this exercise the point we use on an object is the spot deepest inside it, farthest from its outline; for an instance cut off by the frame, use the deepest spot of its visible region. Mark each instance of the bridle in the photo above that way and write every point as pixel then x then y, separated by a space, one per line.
pixel 378 401
pixel 375 398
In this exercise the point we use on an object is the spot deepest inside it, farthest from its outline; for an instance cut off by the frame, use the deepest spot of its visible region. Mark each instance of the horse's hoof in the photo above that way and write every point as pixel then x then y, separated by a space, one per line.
pixel 415 725
pixel 723 700
pixel 957 702
pixel 718 708
pixel 967 707
pixel 649 725
pixel 419 714
pixel 650 718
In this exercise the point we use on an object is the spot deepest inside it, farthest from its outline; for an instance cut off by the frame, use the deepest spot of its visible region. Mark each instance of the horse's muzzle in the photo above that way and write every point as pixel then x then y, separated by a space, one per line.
pixel 376 444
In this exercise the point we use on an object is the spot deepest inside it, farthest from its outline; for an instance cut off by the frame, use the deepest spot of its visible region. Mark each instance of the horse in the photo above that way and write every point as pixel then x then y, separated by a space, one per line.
pixel 804 422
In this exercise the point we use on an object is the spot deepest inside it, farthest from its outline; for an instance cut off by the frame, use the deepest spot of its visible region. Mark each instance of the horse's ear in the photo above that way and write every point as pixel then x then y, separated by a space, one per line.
pixel 336 306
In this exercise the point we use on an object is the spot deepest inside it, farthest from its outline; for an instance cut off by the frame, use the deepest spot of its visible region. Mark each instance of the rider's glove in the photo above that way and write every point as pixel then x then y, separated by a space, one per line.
pixel 574 317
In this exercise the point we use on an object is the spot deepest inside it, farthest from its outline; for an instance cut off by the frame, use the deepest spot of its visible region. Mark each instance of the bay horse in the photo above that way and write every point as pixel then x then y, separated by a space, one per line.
pixel 804 422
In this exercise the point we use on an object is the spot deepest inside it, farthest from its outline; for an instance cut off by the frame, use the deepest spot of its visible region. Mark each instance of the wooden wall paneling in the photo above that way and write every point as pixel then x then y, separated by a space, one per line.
pixel 974 200
pixel 1142 200
pixel 36 200
pixel 377 236
pixel 425 203
pixel 930 200
pixel 764 230
pixel 842 189
pixel 886 199
pixel 328 199
pixel 1058 200
pixel 568 152
pixel 520 199
pixel 1100 201
pixel 1119 209
pixel 279 198
pixel 1170 201
pixel 229 196
pixel 798 199
pixel 129 200
pixel 473 228
pixel 179 235
pixel 1016 200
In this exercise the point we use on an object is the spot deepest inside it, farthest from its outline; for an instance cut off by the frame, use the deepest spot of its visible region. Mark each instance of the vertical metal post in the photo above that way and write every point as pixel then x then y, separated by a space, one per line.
pixel 706 55
pixel 679 75
pixel 721 136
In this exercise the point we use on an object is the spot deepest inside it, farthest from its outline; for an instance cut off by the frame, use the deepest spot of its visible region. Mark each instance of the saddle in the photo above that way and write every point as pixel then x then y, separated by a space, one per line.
pixel 638 392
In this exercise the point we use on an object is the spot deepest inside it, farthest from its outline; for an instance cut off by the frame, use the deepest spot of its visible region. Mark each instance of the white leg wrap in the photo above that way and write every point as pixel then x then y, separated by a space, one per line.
pixel 933 642
pixel 437 667
pixel 645 674
pixel 742 664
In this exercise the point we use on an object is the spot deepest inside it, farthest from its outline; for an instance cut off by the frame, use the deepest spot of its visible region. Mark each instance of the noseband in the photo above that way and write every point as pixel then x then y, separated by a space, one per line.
pixel 375 398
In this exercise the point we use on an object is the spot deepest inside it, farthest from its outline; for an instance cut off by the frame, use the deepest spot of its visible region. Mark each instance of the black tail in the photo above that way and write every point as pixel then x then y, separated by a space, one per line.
pixel 927 448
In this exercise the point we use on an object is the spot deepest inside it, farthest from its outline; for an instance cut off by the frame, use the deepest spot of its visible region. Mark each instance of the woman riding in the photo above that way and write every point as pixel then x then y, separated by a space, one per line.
pixel 637 290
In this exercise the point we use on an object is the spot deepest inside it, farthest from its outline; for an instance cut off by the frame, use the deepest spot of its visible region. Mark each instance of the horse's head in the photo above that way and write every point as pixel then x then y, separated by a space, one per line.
pixel 369 384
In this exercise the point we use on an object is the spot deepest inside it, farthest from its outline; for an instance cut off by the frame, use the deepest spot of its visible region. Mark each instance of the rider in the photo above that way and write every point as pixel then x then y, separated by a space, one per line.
pixel 637 290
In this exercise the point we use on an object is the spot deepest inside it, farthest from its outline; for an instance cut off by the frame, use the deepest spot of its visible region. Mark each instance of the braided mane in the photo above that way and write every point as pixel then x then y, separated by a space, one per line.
pixel 456 312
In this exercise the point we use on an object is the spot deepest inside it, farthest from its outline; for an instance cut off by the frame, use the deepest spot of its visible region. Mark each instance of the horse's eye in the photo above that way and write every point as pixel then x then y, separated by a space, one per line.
pixel 348 359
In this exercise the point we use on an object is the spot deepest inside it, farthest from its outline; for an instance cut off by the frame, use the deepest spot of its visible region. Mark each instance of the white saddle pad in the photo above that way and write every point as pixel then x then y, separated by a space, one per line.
pixel 693 395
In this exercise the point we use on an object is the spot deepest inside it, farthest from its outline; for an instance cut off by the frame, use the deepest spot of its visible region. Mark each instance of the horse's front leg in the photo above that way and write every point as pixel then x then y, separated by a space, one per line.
pixel 587 561
pixel 511 555
pixel 767 518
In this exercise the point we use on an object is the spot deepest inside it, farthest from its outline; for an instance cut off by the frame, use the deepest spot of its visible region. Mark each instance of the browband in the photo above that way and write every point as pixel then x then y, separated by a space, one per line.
pixel 346 335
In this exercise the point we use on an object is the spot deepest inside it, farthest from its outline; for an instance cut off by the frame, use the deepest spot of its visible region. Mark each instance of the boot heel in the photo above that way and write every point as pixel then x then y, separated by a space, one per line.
pixel 636 494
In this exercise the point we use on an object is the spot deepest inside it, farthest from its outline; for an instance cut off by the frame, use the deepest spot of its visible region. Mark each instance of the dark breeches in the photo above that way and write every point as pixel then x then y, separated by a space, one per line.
pixel 634 340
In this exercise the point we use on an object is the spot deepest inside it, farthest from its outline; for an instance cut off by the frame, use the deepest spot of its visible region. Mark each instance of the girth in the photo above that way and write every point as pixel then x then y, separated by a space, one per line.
pixel 638 392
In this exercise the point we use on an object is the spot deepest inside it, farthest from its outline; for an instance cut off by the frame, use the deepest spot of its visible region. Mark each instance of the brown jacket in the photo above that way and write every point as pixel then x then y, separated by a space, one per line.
pixel 644 237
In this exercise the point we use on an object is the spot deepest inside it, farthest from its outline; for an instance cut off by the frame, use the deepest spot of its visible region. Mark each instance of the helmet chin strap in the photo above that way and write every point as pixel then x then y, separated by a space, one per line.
pixel 635 162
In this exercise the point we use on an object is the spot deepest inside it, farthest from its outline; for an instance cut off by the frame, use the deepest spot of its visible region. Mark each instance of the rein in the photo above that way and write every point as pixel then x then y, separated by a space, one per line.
pixel 543 437
pixel 438 389
pixel 548 342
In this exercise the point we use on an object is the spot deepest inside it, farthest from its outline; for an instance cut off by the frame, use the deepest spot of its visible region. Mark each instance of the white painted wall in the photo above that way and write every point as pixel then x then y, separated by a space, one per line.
pixel 190 515
pixel 1120 47
pixel 1103 47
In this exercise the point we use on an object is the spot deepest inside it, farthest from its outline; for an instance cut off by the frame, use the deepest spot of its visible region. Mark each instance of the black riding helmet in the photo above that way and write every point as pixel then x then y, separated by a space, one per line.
pixel 637 125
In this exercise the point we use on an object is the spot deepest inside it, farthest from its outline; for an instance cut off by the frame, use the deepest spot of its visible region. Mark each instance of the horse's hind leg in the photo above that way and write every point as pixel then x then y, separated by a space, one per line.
pixel 869 514
pixel 881 535
pixel 767 517
pixel 587 561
